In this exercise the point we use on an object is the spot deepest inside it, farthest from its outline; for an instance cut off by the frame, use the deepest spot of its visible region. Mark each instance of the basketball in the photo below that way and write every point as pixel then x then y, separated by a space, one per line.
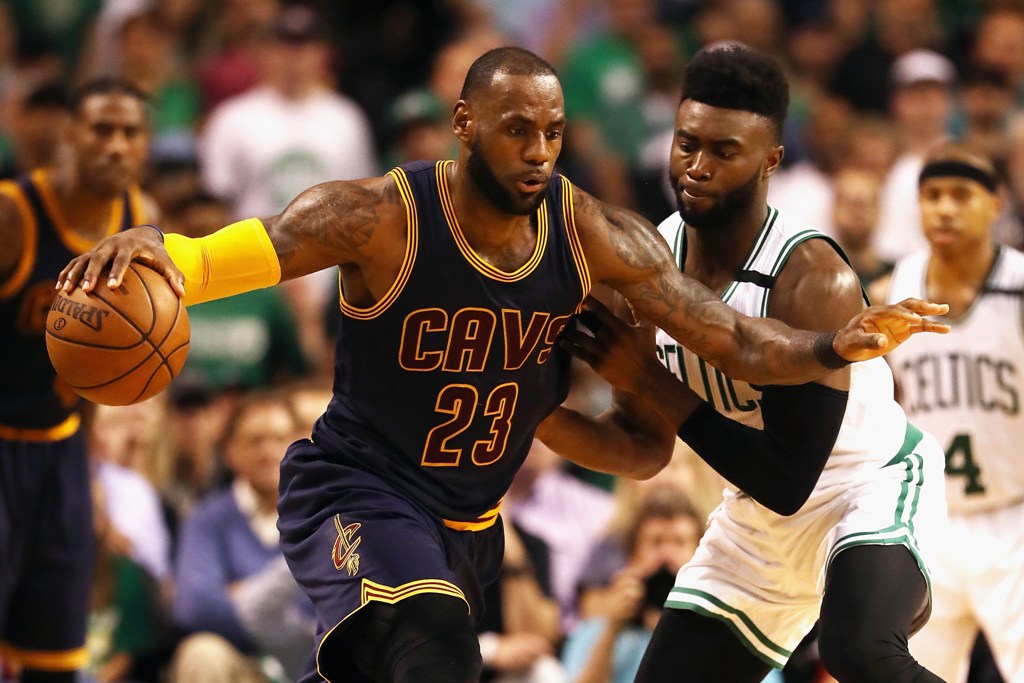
pixel 119 346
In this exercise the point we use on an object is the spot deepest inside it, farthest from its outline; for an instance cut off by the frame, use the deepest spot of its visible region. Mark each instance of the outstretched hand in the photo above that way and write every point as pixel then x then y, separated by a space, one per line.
pixel 879 329
pixel 622 353
pixel 142 244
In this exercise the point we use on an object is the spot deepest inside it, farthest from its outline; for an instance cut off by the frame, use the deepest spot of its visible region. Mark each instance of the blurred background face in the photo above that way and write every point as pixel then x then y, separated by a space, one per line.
pixel 294 67
pixel 110 140
pixel 923 105
pixel 255 449
pixel 666 541
pixel 956 214
pixel 856 205
pixel 128 435
pixel 32 128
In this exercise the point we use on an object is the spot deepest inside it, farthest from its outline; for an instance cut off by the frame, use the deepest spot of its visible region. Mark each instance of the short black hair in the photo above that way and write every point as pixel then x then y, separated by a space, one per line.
pixel 735 76
pixel 514 61
pixel 108 85
pixel 48 95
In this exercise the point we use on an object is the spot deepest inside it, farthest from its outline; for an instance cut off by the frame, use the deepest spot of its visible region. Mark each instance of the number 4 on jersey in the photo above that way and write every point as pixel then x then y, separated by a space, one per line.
pixel 960 463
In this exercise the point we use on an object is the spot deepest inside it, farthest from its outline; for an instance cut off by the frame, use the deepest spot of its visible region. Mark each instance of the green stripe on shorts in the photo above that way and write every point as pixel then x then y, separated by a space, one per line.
pixel 762 646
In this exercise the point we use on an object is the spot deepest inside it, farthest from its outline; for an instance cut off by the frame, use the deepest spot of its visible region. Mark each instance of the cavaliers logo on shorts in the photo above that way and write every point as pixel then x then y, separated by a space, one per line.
pixel 344 553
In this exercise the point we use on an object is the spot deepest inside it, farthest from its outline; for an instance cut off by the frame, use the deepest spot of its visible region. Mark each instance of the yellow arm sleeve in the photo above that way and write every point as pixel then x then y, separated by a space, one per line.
pixel 235 259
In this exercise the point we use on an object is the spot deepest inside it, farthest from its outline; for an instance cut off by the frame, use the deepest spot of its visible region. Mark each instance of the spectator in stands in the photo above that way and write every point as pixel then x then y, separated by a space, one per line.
pixel 541 492
pixel 663 536
pixel 32 122
pixel 234 593
pixel 921 104
pixel 855 207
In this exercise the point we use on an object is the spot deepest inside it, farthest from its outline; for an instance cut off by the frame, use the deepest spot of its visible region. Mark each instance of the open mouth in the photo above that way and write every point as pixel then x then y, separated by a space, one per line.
pixel 529 185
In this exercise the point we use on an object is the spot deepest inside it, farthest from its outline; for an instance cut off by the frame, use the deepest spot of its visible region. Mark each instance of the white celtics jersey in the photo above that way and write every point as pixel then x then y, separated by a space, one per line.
pixel 965 387
pixel 874 426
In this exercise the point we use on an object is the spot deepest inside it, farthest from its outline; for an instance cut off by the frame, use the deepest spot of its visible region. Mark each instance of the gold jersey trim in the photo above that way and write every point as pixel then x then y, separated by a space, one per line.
pixel 484 521
pixel 56 433
pixel 578 257
pixel 71 239
pixel 47 660
pixel 372 591
pixel 28 252
pixel 412 233
pixel 441 170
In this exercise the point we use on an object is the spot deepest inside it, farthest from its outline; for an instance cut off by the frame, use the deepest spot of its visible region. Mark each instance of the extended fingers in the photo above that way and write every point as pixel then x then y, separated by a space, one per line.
pixel 923 308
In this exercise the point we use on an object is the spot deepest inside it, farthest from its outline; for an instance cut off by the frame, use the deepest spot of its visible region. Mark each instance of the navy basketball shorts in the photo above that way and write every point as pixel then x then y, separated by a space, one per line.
pixel 351 538
pixel 46 552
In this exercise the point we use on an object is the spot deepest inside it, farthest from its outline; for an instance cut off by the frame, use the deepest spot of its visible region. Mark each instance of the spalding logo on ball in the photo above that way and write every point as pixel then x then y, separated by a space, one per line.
pixel 119 346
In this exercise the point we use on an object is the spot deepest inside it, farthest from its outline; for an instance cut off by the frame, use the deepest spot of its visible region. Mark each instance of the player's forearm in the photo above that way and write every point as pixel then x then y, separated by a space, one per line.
pixel 609 443
pixel 235 259
pixel 777 466
pixel 770 352
pixel 755 350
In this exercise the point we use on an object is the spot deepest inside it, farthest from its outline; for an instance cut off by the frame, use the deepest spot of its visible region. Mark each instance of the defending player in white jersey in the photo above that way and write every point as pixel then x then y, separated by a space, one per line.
pixel 834 491
pixel 966 389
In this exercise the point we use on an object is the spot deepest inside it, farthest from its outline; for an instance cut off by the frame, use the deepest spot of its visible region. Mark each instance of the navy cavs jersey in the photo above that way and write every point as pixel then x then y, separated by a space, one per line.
pixel 447 376
pixel 32 398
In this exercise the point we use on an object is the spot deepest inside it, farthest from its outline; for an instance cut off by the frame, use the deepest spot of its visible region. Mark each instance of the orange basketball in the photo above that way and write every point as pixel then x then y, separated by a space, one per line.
pixel 119 346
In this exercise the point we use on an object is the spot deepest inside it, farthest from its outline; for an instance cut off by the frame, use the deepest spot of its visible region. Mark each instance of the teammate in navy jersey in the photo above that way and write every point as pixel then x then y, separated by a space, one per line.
pixel 47 217
pixel 456 279
pixel 835 499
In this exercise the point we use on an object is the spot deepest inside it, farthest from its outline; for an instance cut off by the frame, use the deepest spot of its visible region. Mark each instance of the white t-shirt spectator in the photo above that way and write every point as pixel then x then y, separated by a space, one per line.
pixel 259 149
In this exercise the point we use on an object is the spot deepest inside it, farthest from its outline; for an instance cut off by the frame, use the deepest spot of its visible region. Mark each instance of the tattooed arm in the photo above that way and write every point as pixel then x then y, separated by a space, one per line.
pixel 348 223
pixel 625 251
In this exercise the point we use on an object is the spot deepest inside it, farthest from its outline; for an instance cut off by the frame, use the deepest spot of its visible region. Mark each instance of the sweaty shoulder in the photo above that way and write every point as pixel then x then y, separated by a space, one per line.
pixel 816 289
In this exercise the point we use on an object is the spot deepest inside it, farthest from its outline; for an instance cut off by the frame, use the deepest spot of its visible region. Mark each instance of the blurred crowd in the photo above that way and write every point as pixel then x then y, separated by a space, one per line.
pixel 255 100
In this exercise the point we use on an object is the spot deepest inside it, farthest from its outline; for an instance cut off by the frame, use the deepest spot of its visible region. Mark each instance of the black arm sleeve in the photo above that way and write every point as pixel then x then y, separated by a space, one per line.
pixel 779 466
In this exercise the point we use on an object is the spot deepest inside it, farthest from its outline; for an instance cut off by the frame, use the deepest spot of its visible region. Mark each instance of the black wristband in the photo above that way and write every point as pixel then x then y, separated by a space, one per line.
pixel 826 353
pixel 158 230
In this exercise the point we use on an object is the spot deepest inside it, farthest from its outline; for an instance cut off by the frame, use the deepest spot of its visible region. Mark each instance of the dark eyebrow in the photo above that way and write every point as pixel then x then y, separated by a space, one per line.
pixel 520 118
pixel 720 141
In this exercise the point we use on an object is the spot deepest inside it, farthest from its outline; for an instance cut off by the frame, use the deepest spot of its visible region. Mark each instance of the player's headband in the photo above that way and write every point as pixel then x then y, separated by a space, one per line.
pixel 944 169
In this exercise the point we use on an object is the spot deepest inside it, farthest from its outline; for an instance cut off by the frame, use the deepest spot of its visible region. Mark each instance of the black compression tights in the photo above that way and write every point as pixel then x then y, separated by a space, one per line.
pixel 427 638
pixel 871 597
pixel 697 649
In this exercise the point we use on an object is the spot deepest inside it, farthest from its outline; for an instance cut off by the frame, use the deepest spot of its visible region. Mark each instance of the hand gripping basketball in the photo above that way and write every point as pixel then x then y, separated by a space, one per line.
pixel 119 345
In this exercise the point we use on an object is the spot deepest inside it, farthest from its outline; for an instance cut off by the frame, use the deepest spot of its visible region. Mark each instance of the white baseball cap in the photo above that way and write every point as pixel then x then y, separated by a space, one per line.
pixel 922 66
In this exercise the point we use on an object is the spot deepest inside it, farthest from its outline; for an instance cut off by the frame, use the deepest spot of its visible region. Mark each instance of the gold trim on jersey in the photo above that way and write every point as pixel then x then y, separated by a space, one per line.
pixel 60 431
pixel 484 521
pixel 412 234
pixel 28 251
pixel 444 192
pixel 380 593
pixel 377 592
pixel 578 257
pixel 67 234
pixel 47 660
